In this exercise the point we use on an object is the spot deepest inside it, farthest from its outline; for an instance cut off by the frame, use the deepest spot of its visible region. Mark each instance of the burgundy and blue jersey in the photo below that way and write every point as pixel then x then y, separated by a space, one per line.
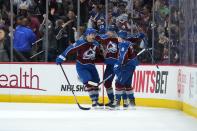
pixel 86 51
pixel 110 46
pixel 126 53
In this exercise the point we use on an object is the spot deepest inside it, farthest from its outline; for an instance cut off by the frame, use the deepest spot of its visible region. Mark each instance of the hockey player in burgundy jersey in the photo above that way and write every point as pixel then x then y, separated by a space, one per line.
pixel 87 49
pixel 109 42
pixel 124 69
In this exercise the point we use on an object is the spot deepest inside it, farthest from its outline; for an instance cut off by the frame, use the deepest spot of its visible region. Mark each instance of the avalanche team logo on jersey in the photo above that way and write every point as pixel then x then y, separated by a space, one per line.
pixel 111 47
pixel 89 54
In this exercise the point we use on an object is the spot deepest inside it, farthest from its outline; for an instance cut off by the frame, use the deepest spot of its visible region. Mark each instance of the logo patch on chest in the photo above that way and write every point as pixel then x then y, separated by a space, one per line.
pixel 111 47
pixel 89 54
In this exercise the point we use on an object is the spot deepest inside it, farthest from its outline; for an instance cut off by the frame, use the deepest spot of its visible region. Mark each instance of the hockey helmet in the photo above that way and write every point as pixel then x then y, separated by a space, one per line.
pixel 90 31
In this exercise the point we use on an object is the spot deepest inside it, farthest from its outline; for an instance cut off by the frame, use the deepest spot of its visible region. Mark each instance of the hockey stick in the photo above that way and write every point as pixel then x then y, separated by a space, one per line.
pixel 105 79
pixel 148 50
pixel 82 108
pixel 96 85
pixel 140 52
pixel 152 58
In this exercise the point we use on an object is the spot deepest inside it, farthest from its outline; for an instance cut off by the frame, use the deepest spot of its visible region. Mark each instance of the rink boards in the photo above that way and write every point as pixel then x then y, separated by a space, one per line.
pixel 169 86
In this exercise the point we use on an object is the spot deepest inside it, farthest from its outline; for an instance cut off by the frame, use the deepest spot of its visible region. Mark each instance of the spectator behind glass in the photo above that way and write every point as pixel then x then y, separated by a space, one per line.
pixel 3 44
pixel 84 4
pixel 5 14
pixel 52 42
pixel 35 23
pixel 22 3
pixel 73 23
pixel 40 6
pixel 24 37
pixel 66 33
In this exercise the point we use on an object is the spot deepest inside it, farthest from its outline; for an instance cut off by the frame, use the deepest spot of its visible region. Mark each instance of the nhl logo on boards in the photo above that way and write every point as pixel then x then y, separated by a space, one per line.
pixel 77 88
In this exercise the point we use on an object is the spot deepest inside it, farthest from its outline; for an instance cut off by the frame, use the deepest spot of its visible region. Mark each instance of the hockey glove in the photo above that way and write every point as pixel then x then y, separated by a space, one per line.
pixel 141 35
pixel 60 59
pixel 134 62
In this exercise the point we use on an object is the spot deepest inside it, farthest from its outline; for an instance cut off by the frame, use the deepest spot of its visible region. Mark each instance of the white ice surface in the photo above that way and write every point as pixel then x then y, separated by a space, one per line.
pixel 62 117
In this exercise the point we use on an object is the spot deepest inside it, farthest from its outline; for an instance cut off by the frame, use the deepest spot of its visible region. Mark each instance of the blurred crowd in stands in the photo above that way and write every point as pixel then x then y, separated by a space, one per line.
pixel 30 26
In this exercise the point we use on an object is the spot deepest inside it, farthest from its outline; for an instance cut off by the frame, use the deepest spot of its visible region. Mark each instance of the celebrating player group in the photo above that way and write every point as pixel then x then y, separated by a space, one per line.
pixel 117 50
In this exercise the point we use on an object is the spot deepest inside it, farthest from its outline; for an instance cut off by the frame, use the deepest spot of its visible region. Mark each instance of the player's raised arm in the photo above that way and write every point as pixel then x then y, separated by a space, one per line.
pixel 70 49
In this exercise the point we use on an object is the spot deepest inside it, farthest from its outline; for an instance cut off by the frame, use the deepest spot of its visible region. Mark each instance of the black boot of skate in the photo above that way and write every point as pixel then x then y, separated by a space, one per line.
pixel 97 105
pixel 109 103
pixel 116 104
pixel 125 104
pixel 132 103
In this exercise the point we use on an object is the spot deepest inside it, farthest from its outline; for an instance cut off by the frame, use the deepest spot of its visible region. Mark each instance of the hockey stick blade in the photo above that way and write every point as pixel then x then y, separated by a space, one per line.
pixel 83 108
pixel 80 107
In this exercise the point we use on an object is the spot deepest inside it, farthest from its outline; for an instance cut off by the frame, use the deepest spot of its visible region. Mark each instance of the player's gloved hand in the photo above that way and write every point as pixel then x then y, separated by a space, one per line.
pixel 117 66
pixel 60 59
pixel 141 35
pixel 134 62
